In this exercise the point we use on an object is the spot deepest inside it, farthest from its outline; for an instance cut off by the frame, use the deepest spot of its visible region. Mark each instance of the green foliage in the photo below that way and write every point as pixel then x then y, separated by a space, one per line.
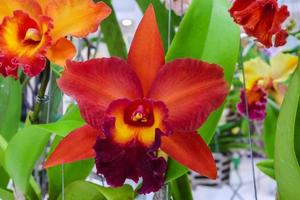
pixel 174 171
pixel 10 106
pixel 70 121
pixel 267 167
pixel 270 130
pixel 29 144
pixel 33 190
pixel 181 189
pixel 88 191
pixel 287 169
pixel 199 37
pixel 21 154
pixel 3 174
pixel 6 195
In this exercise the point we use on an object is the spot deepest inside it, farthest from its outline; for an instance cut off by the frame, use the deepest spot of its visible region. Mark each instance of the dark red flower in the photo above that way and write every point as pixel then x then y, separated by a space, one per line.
pixel 138 107
pixel 257 101
pixel 261 19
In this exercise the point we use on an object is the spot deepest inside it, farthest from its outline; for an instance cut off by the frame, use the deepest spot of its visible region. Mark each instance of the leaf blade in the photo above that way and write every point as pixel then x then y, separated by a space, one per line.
pixel 287 170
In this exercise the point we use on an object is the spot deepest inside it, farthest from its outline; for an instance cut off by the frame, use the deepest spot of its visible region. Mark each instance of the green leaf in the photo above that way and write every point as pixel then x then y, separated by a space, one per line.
pixel 72 172
pixel 112 34
pixel 72 113
pixel 22 153
pixel 199 37
pixel 3 174
pixel 267 167
pixel 61 128
pixel 28 144
pixel 88 191
pixel 33 191
pixel 181 189
pixel 3 177
pixel 70 121
pixel 287 169
pixel 6 195
pixel 270 131
pixel 10 106
pixel 174 171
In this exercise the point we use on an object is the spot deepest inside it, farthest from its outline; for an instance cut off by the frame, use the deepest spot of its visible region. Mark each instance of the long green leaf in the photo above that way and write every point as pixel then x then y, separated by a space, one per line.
pixel 3 174
pixel 10 106
pixel 33 191
pixel 208 33
pixel 70 121
pixel 22 153
pixel 270 131
pixel 28 144
pixel 6 195
pixel 80 190
pixel 181 188
pixel 267 167
pixel 287 169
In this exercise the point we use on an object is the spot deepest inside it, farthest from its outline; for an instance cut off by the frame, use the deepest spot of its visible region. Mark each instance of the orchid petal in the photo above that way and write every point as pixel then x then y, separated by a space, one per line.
pixel 31 7
pixel 283 65
pixel 189 149
pixel 78 145
pixel 61 51
pixel 146 54
pixel 75 17
pixel 191 89
pixel 255 69
pixel 96 83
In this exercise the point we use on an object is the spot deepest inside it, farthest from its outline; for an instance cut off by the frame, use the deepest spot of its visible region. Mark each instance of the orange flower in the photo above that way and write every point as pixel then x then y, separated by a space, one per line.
pixel 33 30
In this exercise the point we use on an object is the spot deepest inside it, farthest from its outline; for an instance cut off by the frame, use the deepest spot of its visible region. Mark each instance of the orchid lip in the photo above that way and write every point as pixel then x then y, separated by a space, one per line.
pixel 139 113
pixel 32 35
pixel 141 121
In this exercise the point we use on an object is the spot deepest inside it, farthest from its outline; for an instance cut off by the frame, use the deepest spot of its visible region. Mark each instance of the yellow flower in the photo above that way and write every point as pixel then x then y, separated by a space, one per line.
pixel 270 77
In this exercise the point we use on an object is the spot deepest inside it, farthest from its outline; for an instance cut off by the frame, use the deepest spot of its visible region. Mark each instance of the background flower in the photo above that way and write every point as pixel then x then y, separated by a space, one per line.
pixel 178 6
pixel 261 19
pixel 32 31
pixel 263 79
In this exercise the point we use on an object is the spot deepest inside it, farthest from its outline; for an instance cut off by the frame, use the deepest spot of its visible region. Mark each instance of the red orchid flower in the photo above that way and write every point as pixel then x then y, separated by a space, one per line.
pixel 261 19
pixel 33 30
pixel 136 108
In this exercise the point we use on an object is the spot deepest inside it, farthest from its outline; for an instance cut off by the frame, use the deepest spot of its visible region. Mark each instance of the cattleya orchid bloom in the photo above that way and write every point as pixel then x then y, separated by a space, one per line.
pixel 137 108
pixel 263 79
pixel 261 19
pixel 33 30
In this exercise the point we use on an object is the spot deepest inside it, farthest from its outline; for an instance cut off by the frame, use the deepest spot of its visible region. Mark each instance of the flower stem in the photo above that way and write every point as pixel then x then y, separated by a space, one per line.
pixel 41 94
pixel 249 123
